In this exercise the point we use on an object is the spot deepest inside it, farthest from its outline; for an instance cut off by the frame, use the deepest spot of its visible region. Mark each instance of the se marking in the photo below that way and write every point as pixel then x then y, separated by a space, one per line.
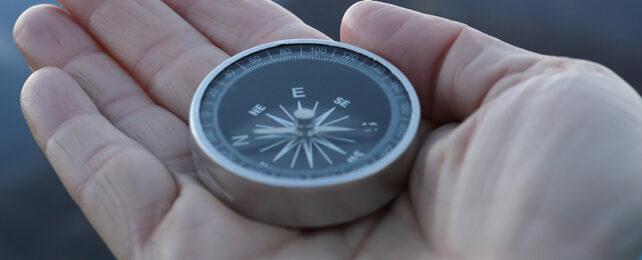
pixel 342 102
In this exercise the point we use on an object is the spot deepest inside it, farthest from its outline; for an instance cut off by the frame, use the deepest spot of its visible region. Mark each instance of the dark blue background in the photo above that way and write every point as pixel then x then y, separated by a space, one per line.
pixel 38 220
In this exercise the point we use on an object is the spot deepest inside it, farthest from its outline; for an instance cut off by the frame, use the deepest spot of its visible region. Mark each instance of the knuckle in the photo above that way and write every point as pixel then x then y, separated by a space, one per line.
pixel 567 77
pixel 589 66
pixel 572 91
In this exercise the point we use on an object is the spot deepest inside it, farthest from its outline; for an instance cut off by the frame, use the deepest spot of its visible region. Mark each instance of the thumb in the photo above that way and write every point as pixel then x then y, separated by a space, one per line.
pixel 454 68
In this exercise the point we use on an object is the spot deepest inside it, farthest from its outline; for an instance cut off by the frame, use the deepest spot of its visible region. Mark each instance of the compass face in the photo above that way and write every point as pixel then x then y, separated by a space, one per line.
pixel 305 110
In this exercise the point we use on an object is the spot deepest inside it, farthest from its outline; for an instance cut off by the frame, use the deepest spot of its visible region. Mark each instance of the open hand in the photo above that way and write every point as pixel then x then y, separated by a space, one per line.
pixel 531 156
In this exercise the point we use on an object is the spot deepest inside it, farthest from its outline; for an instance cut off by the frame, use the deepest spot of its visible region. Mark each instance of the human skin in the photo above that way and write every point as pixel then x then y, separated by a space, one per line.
pixel 524 156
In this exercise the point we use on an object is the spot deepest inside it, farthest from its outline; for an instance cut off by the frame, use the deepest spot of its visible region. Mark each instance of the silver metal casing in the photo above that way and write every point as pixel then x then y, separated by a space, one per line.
pixel 304 203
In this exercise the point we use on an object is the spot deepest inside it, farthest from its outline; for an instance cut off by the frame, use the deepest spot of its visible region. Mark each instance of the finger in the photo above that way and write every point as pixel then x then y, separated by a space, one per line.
pixel 453 67
pixel 48 37
pixel 162 51
pixel 238 25
pixel 424 180
pixel 123 189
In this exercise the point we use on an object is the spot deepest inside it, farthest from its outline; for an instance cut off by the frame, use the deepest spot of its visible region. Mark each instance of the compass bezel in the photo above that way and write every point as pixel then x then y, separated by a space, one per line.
pixel 227 164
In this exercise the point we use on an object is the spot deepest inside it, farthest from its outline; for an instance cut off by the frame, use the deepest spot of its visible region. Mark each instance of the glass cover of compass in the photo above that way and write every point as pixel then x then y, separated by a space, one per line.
pixel 305 110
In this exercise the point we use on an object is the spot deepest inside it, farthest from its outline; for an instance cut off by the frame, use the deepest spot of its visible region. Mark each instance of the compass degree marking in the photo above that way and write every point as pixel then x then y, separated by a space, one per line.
pixel 279 120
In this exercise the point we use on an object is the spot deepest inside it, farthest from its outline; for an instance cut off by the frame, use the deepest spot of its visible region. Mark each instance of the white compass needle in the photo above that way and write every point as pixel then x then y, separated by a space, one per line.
pixel 291 144
pixel 274 131
pixel 291 130
pixel 327 143
pixel 273 145
pixel 330 129
pixel 336 120
pixel 324 116
pixel 327 158
pixel 296 153
pixel 286 112
pixel 271 136
pixel 279 120
pixel 347 140
pixel 307 148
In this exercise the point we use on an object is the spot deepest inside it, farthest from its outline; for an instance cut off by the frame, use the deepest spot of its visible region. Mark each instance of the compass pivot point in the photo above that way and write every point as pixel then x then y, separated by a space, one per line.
pixel 304 122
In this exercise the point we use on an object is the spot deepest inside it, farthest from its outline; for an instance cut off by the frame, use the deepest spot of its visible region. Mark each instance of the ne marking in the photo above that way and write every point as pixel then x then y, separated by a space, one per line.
pixel 257 110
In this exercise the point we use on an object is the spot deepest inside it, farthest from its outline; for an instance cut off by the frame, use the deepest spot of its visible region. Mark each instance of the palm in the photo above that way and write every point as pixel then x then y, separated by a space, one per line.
pixel 116 132
pixel 188 232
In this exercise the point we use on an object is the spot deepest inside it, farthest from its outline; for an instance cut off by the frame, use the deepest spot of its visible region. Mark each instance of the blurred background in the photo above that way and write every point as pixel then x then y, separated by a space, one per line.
pixel 38 220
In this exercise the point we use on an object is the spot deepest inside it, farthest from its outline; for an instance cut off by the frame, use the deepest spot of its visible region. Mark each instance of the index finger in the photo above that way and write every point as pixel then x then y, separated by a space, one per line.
pixel 162 50
pixel 226 22
pixel 453 67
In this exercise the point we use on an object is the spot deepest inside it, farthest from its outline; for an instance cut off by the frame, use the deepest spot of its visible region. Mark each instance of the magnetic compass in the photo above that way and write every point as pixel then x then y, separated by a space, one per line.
pixel 304 133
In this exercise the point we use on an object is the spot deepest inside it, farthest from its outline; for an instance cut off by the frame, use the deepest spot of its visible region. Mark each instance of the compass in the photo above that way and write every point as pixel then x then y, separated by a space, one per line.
pixel 304 133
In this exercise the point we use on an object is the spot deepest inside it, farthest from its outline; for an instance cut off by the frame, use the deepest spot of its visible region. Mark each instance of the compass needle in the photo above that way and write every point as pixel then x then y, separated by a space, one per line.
pixel 285 149
pixel 321 151
pixel 296 153
pixel 336 121
pixel 286 112
pixel 279 120
pixel 347 140
pixel 329 129
pixel 272 136
pixel 292 123
pixel 308 153
pixel 273 145
pixel 273 130
pixel 263 126
pixel 330 145
pixel 324 116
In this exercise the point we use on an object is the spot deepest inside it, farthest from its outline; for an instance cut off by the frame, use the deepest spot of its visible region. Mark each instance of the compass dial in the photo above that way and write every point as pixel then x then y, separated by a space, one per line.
pixel 304 111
